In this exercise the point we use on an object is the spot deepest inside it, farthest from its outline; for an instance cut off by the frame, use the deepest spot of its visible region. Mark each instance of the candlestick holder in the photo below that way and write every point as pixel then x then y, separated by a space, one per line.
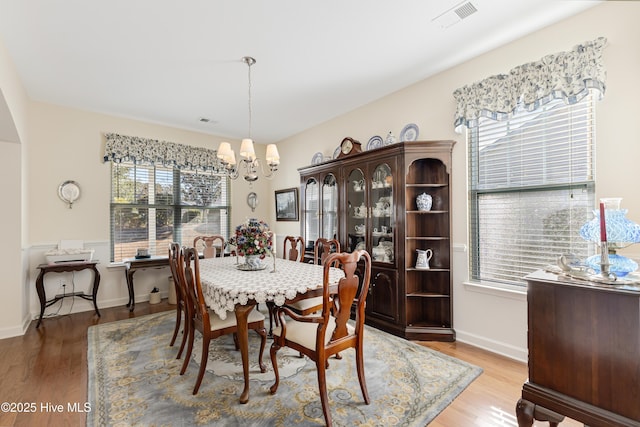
pixel 604 262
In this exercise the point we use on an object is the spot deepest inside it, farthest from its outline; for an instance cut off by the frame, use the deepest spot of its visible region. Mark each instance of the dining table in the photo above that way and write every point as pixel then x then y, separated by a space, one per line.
pixel 229 287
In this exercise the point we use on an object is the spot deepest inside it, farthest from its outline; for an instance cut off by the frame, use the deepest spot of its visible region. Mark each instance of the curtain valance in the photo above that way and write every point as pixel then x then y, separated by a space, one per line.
pixel 121 148
pixel 566 75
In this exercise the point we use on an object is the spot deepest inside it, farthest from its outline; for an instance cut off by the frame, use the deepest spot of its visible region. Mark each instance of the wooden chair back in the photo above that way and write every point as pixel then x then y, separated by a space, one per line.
pixel 210 246
pixel 323 248
pixel 290 248
pixel 195 297
pixel 174 260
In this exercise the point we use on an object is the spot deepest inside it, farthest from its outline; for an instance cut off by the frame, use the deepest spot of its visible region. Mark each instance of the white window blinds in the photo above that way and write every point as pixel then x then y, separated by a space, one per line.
pixel 532 188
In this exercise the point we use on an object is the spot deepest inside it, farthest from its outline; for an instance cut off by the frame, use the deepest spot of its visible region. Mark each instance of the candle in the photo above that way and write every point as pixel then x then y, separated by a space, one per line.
pixel 603 225
pixel 273 244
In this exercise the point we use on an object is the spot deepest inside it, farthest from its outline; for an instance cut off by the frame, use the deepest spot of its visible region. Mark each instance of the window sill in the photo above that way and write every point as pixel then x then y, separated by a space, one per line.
pixel 518 293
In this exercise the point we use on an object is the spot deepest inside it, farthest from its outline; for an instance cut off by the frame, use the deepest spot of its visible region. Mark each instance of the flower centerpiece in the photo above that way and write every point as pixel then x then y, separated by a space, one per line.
pixel 253 240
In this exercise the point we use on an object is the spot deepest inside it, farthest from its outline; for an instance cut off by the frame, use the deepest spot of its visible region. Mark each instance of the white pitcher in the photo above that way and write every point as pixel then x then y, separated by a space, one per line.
pixel 424 256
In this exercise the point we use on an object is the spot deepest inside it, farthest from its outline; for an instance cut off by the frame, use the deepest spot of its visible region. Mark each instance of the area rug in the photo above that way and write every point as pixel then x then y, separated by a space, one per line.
pixel 134 380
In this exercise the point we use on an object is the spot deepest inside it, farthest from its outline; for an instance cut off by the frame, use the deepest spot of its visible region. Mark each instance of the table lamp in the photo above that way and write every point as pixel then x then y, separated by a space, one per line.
pixel 614 232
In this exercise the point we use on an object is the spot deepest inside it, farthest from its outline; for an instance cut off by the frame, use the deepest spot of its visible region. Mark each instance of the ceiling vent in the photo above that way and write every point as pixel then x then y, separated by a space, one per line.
pixel 455 14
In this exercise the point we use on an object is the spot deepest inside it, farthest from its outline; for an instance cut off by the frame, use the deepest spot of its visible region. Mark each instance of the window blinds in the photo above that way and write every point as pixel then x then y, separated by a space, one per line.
pixel 532 188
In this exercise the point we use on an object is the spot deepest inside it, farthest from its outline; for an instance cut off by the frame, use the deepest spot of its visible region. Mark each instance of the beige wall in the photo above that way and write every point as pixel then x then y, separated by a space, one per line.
pixel 68 144
pixel 13 140
pixel 486 317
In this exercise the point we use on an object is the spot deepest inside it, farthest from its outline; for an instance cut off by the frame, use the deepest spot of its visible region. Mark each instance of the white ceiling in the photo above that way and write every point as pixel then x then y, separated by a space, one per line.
pixel 172 62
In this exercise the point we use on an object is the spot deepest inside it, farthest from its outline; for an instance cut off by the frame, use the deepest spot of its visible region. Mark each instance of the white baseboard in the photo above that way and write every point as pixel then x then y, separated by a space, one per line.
pixel 503 349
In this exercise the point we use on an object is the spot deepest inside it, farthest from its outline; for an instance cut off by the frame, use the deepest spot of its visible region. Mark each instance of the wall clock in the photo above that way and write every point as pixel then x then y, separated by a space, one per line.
pixel 69 192
pixel 252 201
pixel 349 146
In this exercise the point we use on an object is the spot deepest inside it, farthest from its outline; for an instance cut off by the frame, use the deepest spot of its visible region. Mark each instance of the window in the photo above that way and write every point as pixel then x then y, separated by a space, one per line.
pixel 153 206
pixel 532 188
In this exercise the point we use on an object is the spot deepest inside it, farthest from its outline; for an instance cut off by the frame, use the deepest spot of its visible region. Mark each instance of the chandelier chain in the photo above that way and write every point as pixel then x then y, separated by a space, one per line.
pixel 250 61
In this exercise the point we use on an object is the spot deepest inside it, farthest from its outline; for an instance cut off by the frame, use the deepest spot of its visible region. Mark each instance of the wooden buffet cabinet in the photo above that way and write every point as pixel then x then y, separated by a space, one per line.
pixel 368 200
pixel 584 353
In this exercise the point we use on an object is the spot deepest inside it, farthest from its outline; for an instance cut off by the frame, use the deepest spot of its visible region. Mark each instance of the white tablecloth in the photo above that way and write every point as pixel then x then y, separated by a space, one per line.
pixel 224 285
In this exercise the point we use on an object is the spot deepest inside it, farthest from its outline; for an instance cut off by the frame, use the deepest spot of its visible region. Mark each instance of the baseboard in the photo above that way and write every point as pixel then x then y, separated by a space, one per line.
pixel 503 349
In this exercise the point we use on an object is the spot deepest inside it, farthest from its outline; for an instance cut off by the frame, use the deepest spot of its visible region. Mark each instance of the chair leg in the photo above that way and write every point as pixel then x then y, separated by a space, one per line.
pixel 272 318
pixel 274 362
pixel 203 362
pixel 263 341
pixel 360 368
pixel 177 328
pixel 187 357
pixel 185 334
pixel 322 385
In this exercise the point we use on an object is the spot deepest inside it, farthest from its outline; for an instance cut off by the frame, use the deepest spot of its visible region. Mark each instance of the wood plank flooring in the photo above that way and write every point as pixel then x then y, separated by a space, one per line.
pixel 47 367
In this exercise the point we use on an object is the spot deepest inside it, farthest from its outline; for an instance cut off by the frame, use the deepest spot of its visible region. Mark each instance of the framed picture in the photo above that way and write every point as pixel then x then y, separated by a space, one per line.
pixel 287 204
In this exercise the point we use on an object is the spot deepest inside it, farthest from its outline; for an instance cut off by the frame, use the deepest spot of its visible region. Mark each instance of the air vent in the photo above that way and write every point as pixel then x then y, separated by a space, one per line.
pixel 466 10
pixel 206 120
pixel 455 14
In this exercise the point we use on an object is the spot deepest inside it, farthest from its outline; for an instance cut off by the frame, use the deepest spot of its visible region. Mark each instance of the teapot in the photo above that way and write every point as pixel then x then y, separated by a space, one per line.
pixel 424 256
pixel 360 229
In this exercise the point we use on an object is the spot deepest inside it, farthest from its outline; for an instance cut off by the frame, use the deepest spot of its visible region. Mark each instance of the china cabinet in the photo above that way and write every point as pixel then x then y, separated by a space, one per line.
pixel 367 200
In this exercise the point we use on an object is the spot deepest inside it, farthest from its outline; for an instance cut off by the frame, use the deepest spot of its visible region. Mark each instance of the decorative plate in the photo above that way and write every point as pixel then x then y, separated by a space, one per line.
pixel 375 142
pixel 69 191
pixel 409 132
pixel 317 158
pixel 336 152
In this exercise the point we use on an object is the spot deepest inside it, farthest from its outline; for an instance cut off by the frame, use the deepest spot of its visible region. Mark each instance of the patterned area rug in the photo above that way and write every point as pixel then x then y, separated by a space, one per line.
pixel 134 380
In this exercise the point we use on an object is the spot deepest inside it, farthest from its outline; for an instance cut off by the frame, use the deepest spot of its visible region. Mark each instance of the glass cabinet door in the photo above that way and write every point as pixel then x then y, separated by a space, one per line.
pixel 356 212
pixel 382 214
pixel 329 228
pixel 311 210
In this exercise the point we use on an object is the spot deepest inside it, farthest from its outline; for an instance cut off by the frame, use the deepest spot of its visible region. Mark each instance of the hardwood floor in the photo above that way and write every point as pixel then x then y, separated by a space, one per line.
pixel 47 367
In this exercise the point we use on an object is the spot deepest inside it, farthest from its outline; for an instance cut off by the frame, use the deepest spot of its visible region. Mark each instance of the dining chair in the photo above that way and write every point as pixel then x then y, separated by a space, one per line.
pixel 321 250
pixel 291 251
pixel 321 336
pixel 207 247
pixel 181 309
pixel 209 324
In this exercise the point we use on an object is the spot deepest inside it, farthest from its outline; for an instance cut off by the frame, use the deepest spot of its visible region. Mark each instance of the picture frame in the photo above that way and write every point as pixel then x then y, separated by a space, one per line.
pixel 287 204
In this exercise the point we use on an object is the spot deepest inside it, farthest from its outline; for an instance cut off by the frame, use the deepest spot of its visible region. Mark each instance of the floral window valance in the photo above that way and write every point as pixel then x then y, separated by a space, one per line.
pixel 565 75
pixel 121 148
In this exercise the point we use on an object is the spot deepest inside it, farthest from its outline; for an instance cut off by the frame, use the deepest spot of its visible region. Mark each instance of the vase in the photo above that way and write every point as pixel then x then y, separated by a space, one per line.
pixel 253 262
pixel 424 201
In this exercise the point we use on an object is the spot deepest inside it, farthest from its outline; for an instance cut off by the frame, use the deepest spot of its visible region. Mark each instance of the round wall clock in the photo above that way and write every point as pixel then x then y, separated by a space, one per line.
pixel 69 192
pixel 252 200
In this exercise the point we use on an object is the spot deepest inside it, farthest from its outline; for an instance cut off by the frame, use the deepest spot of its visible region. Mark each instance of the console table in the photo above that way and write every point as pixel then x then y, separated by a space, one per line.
pixel 63 267
pixel 134 264
pixel 584 353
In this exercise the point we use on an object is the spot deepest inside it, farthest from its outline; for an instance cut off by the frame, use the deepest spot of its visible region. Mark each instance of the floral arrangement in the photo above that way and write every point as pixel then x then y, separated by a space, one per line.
pixel 253 237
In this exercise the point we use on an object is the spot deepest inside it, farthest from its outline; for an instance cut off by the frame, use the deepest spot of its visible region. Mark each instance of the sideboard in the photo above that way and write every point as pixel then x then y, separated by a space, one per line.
pixel 584 353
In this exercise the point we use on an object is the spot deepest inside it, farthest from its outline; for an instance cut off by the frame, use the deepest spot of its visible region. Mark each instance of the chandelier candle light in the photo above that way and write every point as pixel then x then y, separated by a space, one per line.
pixel 249 160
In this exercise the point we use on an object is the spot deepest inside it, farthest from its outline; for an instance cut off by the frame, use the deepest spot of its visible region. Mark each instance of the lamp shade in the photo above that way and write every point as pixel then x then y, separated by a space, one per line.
pixel 620 230
pixel 246 149
pixel 272 156
pixel 224 150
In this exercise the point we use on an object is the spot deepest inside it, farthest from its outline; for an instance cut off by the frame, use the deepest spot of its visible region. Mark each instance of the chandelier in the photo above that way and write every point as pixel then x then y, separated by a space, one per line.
pixel 248 162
